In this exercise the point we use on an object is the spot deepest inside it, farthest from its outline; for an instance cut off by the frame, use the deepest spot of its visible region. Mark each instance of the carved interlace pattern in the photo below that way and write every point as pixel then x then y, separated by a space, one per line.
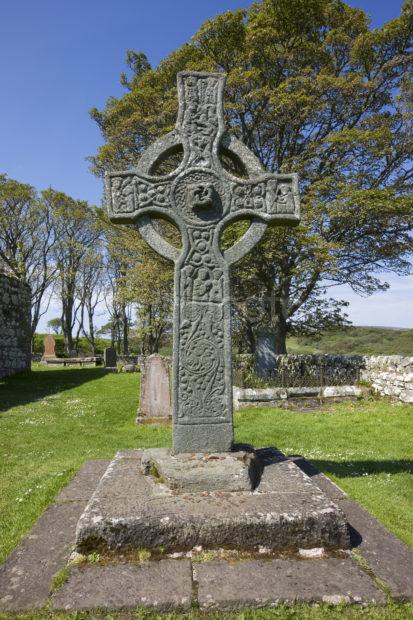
pixel 201 119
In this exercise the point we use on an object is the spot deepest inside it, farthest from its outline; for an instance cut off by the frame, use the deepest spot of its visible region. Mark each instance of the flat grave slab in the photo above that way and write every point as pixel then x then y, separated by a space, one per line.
pixel 131 510
pixel 163 585
pixel 264 584
pixel 26 575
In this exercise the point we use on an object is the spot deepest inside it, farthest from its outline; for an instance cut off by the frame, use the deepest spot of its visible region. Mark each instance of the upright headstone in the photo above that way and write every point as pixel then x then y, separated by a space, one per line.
pixel 155 399
pixel 49 347
pixel 265 357
pixel 110 357
pixel 202 198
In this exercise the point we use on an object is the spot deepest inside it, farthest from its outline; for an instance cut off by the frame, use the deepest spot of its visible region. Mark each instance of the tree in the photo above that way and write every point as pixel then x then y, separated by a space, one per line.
pixel 312 89
pixel 90 291
pixel 26 241
pixel 137 277
pixel 76 231
pixel 55 325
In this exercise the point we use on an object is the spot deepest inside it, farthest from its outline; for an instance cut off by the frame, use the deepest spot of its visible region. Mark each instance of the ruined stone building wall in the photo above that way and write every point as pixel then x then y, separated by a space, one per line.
pixel 15 340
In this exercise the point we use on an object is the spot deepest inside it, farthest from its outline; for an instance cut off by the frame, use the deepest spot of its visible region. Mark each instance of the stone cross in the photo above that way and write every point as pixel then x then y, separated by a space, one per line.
pixel 201 198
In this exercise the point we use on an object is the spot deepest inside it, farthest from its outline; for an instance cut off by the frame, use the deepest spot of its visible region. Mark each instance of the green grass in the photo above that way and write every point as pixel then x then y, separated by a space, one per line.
pixel 391 611
pixel 356 341
pixel 55 419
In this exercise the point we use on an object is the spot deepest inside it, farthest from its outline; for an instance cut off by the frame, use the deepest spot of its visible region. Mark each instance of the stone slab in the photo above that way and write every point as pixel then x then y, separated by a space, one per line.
pixel 263 584
pixel 130 510
pixel 26 575
pixel 389 558
pixel 323 482
pixel 84 482
pixel 227 471
pixel 164 585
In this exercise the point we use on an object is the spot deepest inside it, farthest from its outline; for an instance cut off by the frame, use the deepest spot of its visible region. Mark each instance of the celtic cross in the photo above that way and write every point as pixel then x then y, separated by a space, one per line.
pixel 201 198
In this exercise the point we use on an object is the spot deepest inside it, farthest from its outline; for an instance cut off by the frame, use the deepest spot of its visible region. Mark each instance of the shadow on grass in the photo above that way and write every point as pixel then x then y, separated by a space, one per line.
pixel 356 469
pixel 28 387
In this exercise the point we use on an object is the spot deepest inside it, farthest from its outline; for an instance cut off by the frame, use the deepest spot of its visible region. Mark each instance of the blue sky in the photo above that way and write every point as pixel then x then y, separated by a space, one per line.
pixel 59 58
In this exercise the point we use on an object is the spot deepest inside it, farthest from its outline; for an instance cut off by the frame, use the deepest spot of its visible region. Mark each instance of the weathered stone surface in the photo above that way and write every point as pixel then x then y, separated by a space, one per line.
pixel 264 584
pixel 323 482
pixel 164 585
pixel 245 397
pixel 49 345
pixel 15 336
pixel 129 509
pixel 110 357
pixel 201 198
pixel 26 575
pixel 265 357
pixel 389 558
pixel 84 482
pixel 339 391
pixel 226 471
pixel 155 396
pixel 390 375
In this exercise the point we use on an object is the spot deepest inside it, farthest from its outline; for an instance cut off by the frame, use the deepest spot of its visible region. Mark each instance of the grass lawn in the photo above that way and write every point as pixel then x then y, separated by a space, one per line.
pixel 55 419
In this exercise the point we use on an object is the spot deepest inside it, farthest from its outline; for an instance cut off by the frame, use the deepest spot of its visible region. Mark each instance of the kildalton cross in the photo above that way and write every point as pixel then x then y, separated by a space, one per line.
pixel 201 198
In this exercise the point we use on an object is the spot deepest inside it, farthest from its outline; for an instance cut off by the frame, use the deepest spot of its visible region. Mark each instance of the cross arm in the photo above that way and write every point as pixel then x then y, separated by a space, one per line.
pixel 269 197
pixel 130 195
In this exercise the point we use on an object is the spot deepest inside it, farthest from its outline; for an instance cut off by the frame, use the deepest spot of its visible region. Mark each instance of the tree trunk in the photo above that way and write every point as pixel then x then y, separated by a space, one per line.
pixel 125 331
pixel 281 337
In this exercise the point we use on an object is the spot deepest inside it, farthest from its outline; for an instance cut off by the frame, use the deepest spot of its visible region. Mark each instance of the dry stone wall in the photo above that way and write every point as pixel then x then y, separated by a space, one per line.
pixel 390 375
pixel 15 340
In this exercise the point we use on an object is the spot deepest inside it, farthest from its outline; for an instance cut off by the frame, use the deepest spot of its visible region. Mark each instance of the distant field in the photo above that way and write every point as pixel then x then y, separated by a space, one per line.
pixel 356 341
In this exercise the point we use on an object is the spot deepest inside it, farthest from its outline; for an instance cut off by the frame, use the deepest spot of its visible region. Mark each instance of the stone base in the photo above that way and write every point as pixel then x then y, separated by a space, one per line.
pixel 203 437
pixel 132 510
pixel 192 473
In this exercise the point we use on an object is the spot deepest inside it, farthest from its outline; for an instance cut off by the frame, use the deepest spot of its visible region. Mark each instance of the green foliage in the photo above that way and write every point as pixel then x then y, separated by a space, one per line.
pixel 84 345
pixel 356 341
pixel 60 578
pixel 312 89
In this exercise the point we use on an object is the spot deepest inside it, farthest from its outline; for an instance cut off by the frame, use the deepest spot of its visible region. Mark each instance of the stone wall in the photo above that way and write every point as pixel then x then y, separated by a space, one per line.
pixel 15 340
pixel 390 375
pixel 301 370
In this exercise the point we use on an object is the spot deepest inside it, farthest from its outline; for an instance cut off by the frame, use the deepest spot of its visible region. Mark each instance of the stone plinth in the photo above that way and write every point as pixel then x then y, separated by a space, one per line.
pixel 227 471
pixel 132 510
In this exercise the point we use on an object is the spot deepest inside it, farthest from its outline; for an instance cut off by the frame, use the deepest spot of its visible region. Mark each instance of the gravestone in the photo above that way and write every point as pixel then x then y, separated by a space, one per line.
pixel 155 399
pixel 201 198
pixel 110 357
pixel 49 347
pixel 265 357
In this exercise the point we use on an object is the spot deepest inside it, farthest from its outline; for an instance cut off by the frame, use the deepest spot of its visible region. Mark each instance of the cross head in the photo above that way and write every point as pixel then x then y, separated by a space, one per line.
pixel 201 198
